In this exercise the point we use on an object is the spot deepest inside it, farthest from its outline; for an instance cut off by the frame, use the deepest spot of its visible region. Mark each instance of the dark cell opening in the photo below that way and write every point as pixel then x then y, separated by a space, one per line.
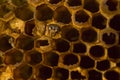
pixel 103 65
pixel 51 58
pixel 74 3
pixel 89 35
pixel 62 45
pixel 112 4
pixel 13 56
pixel 94 75
pixel 43 12
pixel 41 43
pixel 24 13
pixel 99 21
pixel 23 71
pixel 114 52
pixel 62 15
pixel 25 42
pixel 1 60
pixel 118 64
pixel 61 74
pixel 44 72
pixel 77 75
pixel 109 38
pixel 29 25
pixel 70 59
pixel 112 75
pixel 54 1
pixel 79 48
pixel 97 51
pixel 91 5
pixel 35 57
pixel 86 62
pixel 81 16
pixel 115 22
pixel 4 42
pixel 19 2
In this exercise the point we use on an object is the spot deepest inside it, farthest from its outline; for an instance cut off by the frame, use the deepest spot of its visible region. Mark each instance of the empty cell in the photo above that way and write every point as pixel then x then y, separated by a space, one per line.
pixel 81 16
pixel 97 51
pixel 13 57
pixel 115 22
pixel 74 3
pixel 43 12
pixel 44 72
pixel 70 33
pixel 62 45
pixel 1 60
pixel 61 74
pixel 109 38
pixel 19 2
pixel 89 35
pixel 99 21
pixel 62 15
pixel 24 13
pixel 77 75
pixel 103 65
pixel 34 57
pixel 29 26
pixel 25 42
pixel 41 43
pixel 23 72
pixel 54 1
pixel 112 75
pixel 4 42
pixel 51 58
pixel 79 48
pixel 112 4
pixel 94 75
pixel 86 62
pixel 70 59
pixel 91 5
pixel 114 52
pixel 118 64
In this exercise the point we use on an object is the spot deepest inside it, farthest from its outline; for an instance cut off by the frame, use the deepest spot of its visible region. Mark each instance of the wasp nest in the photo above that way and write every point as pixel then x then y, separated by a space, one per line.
pixel 59 39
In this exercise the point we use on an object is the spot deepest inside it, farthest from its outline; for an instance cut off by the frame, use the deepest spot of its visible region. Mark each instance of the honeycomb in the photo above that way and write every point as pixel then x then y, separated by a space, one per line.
pixel 59 39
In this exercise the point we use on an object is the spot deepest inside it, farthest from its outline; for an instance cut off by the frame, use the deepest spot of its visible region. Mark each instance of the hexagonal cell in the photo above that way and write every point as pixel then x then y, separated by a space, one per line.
pixel 99 21
pixel 70 59
pixel 5 42
pixel 61 74
pixel 13 57
pixel 94 75
pixel 115 22
pixel 109 38
pixel 81 16
pixel 91 5
pixel 25 42
pixel 70 33
pixel 44 12
pixel 77 75
pixel 114 52
pixel 33 57
pixel 106 63
pixel 74 3
pixel 112 75
pixel 62 15
pixel 41 43
pixel 44 72
pixel 86 62
pixel 88 35
pixel 24 13
pixel 62 45
pixel 22 72
pixel 19 2
pixel 112 4
pixel 79 48
pixel 54 1
pixel 29 26
pixel 97 51
pixel 51 59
